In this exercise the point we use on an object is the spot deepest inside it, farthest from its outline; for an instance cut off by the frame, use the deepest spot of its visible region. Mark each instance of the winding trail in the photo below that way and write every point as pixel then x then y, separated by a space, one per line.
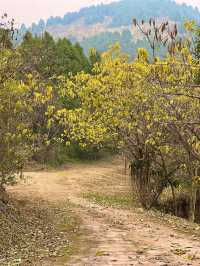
pixel 116 236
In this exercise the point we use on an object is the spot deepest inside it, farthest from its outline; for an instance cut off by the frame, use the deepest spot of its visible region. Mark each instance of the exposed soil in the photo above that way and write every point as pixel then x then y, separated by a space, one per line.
pixel 112 236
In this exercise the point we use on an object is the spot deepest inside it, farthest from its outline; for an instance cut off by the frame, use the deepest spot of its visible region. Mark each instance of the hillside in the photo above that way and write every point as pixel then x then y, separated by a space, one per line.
pixel 100 26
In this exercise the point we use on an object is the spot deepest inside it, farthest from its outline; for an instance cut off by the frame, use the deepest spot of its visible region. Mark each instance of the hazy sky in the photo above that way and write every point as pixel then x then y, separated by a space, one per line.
pixel 190 2
pixel 28 11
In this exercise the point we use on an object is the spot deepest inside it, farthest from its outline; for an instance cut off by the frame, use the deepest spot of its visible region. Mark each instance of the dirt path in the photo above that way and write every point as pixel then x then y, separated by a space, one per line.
pixel 114 236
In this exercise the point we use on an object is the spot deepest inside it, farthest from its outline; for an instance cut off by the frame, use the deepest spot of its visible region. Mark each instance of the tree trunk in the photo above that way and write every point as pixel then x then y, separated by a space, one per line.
pixel 3 195
pixel 174 199
pixel 193 200
pixel 125 164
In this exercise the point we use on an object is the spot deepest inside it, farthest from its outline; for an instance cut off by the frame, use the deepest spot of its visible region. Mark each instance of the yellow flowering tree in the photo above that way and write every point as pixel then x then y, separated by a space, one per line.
pixel 150 110
pixel 19 102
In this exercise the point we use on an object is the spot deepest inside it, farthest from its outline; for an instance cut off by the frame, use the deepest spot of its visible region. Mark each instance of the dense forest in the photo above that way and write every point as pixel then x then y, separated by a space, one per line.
pixel 119 15
pixel 47 57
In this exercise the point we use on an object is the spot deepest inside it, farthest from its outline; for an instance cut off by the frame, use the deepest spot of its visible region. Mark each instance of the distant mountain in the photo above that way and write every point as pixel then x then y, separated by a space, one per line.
pixel 100 26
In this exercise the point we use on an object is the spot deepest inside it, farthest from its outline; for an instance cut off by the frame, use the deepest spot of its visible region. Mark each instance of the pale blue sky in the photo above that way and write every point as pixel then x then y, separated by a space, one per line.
pixel 28 11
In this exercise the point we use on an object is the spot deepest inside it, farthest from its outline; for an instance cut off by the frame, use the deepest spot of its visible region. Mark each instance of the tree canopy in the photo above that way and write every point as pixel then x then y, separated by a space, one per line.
pixel 48 57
